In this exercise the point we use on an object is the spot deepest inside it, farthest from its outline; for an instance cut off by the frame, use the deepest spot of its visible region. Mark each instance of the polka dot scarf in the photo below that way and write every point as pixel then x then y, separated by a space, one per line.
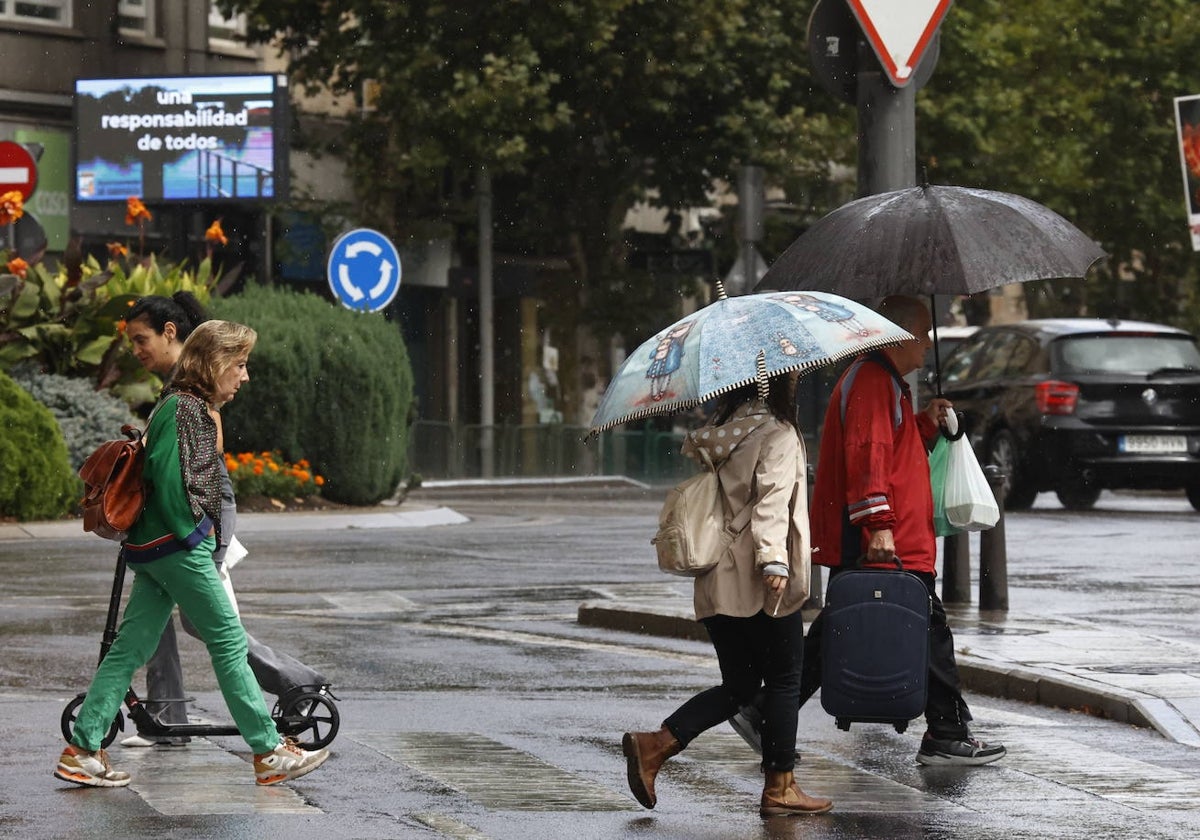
pixel 721 440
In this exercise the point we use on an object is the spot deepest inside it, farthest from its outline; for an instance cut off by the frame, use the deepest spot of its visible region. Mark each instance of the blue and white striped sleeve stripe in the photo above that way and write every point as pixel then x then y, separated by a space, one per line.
pixel 868 507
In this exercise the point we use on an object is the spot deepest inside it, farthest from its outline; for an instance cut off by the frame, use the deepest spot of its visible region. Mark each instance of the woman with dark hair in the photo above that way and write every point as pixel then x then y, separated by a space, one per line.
pixel 750 602
pixel 157 327
pixel 170 549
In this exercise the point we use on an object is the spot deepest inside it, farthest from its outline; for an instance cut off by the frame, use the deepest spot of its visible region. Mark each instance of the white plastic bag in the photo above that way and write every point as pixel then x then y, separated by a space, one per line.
pixel 234 552
pixel 967 497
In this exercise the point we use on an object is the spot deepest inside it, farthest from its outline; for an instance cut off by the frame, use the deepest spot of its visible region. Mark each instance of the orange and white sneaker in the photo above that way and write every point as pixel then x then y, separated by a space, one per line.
pixel 286 761
pixel 80 767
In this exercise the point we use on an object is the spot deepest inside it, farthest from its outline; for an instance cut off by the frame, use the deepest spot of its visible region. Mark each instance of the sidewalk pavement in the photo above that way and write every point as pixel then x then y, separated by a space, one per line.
pixel 1117 673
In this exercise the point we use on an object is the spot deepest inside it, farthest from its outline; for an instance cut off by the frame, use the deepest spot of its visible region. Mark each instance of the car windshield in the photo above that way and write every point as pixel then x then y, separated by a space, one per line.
pixel 1143 354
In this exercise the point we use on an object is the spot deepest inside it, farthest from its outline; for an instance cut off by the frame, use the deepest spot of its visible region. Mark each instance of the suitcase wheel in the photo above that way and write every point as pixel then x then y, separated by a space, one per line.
pixel 843 724
pixel 900 727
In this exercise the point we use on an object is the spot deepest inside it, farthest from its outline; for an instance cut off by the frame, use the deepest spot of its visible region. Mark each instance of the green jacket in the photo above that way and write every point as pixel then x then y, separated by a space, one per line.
pixel 182 472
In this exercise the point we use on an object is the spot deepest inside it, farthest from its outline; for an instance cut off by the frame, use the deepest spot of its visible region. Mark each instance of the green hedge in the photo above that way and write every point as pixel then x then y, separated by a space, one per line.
pixel 326 384
pixel 36 481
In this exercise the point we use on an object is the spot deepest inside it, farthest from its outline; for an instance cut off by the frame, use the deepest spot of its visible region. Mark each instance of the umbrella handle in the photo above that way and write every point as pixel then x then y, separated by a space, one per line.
pixel 960 428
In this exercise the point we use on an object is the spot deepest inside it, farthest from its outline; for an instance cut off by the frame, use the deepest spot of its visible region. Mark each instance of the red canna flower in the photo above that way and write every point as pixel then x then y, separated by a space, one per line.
pixel 12 207
pixel 215 235
pixel 135 211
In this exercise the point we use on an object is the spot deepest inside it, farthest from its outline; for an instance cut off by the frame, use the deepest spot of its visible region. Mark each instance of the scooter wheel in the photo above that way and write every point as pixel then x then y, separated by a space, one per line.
pixel 72 711
pixel 311 718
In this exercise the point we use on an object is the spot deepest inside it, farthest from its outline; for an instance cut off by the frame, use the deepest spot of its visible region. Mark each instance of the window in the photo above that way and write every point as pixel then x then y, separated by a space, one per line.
pixel 1024 354
pixel 994 359
pixel 231 30
pixel 136 17
pixel 48 12
pixel 1129 353
pixel 958 367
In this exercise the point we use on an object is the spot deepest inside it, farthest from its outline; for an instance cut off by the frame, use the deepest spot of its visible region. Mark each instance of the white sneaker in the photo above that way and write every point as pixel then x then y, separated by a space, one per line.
pixel 306 707
pixel 286 761
pixel 137 741
pixel 80 767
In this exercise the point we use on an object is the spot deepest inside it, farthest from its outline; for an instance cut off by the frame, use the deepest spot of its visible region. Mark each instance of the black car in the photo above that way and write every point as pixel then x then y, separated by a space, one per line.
pixel 1077 405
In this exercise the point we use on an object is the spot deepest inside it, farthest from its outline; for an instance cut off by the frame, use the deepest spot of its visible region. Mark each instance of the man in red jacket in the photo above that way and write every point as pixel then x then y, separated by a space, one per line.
pixel 872 500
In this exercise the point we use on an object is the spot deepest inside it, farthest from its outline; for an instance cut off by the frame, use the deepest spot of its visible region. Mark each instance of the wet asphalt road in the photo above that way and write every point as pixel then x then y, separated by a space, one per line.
pixel 473 705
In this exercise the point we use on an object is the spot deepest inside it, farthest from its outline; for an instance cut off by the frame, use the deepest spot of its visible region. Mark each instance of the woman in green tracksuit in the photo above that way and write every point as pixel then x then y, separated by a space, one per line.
pixel 170 551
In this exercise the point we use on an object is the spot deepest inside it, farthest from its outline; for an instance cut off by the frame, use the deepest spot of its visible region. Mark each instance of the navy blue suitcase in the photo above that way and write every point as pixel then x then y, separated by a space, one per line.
pixel 875 647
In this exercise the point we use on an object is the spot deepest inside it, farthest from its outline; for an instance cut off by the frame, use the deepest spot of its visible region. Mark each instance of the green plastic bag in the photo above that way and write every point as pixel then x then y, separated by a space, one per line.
pixel 939 462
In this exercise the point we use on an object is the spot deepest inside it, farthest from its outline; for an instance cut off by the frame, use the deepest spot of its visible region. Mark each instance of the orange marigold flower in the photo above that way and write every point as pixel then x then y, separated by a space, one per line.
pixel 18 267
pixel 258 470
pixel 135 211
pixel 215 235
pixel 319 480
pixel 273 466
pixel 245 458
pixel 116 249
pixel 303 476
pixel 302 463
pixel 12 207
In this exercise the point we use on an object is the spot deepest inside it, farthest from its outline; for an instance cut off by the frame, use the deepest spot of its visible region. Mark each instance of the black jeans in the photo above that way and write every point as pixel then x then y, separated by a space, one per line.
pixel 946 713
pixel 755 652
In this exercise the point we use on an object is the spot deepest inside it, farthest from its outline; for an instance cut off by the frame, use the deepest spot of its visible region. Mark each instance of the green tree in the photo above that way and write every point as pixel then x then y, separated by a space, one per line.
pixel 579 108
pixel 1071 104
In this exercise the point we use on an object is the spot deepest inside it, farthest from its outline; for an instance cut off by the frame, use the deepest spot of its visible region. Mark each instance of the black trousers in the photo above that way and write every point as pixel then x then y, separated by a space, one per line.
pixel 759 652
pixel 946 712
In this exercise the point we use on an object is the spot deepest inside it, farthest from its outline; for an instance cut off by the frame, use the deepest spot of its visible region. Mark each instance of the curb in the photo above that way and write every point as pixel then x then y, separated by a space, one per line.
pixel 580 487
pixel 1011 681
pixel 416 516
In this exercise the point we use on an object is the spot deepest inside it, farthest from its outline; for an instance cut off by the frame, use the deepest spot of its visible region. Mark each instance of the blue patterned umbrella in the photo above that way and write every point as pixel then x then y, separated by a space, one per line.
pixel 718 349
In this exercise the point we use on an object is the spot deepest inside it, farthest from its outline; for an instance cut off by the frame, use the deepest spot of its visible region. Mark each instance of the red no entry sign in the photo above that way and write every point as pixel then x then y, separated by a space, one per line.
pixel 18 169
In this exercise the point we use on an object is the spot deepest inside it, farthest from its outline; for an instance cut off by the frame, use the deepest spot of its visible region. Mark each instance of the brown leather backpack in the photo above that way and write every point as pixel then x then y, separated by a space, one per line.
pixel 115 492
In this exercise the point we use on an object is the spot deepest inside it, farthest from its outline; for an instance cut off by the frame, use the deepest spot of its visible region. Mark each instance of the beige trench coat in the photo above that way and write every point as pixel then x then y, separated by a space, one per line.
pixel 760 459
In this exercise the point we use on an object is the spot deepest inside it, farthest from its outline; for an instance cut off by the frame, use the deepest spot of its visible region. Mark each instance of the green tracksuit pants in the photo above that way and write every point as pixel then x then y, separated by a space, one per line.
pixel 187 578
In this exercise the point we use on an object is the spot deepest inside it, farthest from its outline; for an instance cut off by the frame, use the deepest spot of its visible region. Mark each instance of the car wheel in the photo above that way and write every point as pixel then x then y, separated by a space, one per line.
pixel 1078 495
pixel 1018 493
pixel 1193 495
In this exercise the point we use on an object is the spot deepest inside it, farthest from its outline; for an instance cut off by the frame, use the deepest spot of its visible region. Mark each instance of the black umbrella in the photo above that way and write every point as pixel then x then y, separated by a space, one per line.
pixel 932 240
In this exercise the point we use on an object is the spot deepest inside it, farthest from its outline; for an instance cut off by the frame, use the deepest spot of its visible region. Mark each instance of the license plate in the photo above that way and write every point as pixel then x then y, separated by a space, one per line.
pixel 1154 443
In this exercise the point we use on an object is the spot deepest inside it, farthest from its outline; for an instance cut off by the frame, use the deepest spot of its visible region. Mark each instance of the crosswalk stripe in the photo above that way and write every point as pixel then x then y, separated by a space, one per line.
pixel 202 778
pixel 495 775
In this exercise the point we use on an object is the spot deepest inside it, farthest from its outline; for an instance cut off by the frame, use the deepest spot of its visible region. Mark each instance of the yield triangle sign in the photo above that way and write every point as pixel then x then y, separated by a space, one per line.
pixel 900 31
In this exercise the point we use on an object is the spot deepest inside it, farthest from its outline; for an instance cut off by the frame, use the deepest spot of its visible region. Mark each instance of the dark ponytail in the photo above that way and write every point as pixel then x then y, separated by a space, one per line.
pixel 781 400
pixel 181 309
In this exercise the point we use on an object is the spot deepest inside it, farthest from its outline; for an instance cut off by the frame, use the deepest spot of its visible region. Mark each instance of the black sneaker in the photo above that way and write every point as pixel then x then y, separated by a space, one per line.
pixel 969 752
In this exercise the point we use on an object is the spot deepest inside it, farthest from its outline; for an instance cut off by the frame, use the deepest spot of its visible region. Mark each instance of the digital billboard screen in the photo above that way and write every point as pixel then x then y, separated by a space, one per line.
pixel 181 138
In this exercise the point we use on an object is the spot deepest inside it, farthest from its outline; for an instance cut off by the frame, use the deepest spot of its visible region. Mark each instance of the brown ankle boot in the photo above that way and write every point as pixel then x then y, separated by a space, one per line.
pixel 781 795
pixel 645 753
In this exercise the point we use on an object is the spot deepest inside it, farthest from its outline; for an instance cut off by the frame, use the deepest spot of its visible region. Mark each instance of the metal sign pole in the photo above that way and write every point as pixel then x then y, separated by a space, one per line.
pixel 887 151
pixel 487 329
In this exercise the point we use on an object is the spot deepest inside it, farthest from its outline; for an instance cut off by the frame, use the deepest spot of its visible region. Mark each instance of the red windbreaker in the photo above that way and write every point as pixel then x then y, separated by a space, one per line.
pixel 873 469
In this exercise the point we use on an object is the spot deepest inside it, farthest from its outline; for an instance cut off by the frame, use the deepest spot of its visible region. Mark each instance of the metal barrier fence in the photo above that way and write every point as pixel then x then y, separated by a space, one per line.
pixel 440 450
